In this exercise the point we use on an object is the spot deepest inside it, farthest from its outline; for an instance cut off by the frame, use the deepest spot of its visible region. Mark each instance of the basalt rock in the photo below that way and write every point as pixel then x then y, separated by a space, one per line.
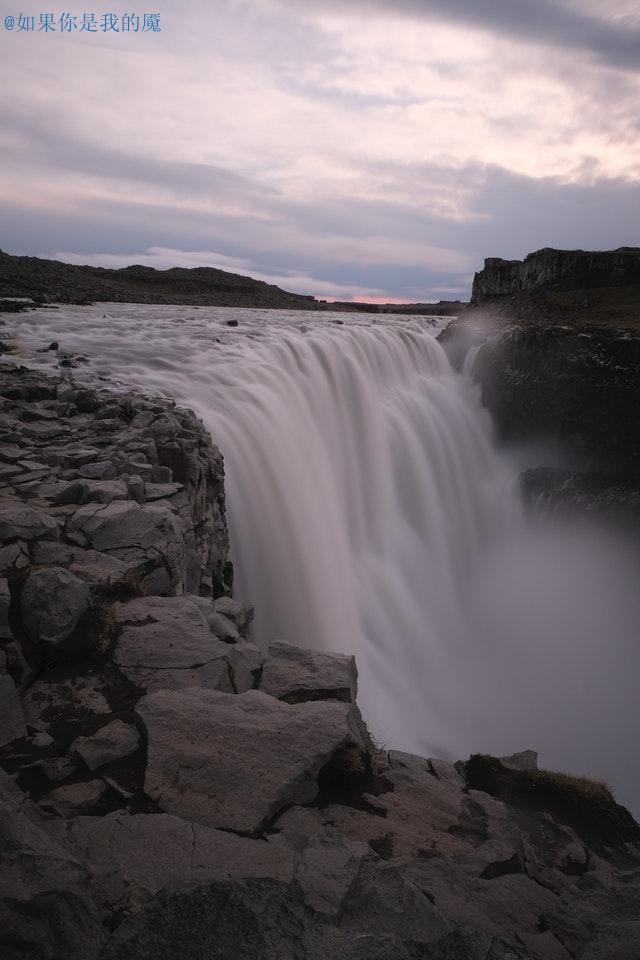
pixel 170 790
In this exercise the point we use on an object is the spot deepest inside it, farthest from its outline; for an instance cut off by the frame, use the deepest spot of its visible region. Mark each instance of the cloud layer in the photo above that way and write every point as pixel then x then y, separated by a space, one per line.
pixel 371 149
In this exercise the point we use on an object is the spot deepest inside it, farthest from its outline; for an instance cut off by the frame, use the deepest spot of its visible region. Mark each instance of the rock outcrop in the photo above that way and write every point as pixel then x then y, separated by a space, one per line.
pixel 168 790
pixel 550 269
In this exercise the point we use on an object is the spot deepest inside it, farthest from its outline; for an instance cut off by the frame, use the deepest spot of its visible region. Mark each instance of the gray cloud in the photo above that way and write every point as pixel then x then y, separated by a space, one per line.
pixel 614 42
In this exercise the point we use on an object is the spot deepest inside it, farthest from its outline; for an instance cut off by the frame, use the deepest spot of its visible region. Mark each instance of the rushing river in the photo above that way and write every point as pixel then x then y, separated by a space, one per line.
pixel 370 513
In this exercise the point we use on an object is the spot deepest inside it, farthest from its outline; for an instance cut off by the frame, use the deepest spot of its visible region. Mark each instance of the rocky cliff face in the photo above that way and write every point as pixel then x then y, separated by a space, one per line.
pixel 578 389
pixel 170 791
pixel 550 269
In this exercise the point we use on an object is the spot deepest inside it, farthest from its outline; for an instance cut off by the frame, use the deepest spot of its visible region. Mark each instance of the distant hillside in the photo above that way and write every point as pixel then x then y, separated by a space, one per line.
pixel 50 281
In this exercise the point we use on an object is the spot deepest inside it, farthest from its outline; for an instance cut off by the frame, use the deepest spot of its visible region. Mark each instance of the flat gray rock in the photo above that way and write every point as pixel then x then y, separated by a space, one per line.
pixel 126 525
pixel 134 857
pixel 234 762
pixel 295 674
pixel 112 742
pixel 165 643
pixel 19 522
pixel 52 602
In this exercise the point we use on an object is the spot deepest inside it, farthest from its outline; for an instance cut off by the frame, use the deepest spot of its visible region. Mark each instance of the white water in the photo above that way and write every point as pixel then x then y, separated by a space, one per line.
pixel 370 514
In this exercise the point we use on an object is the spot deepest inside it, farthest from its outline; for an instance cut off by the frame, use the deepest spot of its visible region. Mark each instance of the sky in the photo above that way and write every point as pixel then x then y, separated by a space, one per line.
pixel 350 149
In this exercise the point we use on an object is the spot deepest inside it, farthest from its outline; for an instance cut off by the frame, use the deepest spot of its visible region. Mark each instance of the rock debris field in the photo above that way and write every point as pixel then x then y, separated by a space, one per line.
pixel 170 790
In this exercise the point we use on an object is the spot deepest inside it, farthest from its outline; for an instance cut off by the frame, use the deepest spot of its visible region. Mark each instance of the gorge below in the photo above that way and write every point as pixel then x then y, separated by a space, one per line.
pixel 372 513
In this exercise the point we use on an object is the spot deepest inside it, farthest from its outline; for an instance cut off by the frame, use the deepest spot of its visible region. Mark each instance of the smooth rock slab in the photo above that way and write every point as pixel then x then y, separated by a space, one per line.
pixel 52 603
pixel 112 742
pixel 134 857
pixel 165 643
pixel 235 761
pixel 18 522
pixel 295 675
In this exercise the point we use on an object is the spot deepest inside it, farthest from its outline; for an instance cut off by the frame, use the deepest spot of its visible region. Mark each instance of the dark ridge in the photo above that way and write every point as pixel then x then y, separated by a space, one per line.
pixel 51 281
pixel 585 805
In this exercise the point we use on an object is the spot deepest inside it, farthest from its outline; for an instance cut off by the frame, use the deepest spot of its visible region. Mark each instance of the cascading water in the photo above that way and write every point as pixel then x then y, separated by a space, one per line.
pixel 371 514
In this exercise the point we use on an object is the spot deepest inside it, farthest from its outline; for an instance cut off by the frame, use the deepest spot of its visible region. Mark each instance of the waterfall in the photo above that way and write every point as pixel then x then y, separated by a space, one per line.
pixel 371 513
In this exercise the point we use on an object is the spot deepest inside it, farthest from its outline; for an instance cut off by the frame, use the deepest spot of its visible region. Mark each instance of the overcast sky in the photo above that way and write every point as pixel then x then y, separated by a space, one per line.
pixel 345 148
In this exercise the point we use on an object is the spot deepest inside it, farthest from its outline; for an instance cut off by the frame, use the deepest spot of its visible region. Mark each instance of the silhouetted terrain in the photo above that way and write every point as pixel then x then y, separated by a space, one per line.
pixel 51 281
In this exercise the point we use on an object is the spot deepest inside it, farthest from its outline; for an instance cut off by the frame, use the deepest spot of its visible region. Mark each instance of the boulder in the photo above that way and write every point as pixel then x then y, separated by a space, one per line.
pixel 112 742
pixel 75 798
pixel 19 522
pixel 235 762
pixel 165 643
pixel 295 675
pixel 51 604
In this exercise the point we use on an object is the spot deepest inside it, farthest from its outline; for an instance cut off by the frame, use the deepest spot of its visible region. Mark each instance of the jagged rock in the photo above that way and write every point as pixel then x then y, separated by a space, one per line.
pixel 100 568
pixel 165 643
pixel 112 742
pixel 524 760
pixel 381 900
pixel 123 524
pixel 12 725
pixel 469 944
pixel 5 603
pixel 327 868
pixel 57 768
pixel 549 269
pixel 75 798
pixel 161 491
pixel 134 857
pixel 18 522
pixel 89 491
pixel 295 675
pixel 207 750
pixel 44 908
pixel 136 488
pixel 14 557
pixel 101 470
pixel 52 602
pixel 51 701
pixel 248 919
pixel 242 615
pixel 245 663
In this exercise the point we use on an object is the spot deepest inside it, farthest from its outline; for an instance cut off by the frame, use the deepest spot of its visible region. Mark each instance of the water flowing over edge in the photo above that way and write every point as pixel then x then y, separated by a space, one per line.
pixel 371 514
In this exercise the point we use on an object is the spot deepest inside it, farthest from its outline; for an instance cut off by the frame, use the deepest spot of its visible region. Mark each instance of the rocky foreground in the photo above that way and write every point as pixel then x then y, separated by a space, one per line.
pixel 169 790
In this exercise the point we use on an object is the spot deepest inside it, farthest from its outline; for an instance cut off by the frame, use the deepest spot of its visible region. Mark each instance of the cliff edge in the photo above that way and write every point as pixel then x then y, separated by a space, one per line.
pixel 169 790
pixel 579 287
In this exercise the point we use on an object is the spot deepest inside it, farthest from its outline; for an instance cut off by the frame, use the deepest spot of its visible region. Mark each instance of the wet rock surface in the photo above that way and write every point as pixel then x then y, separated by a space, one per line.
pixel 170 790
